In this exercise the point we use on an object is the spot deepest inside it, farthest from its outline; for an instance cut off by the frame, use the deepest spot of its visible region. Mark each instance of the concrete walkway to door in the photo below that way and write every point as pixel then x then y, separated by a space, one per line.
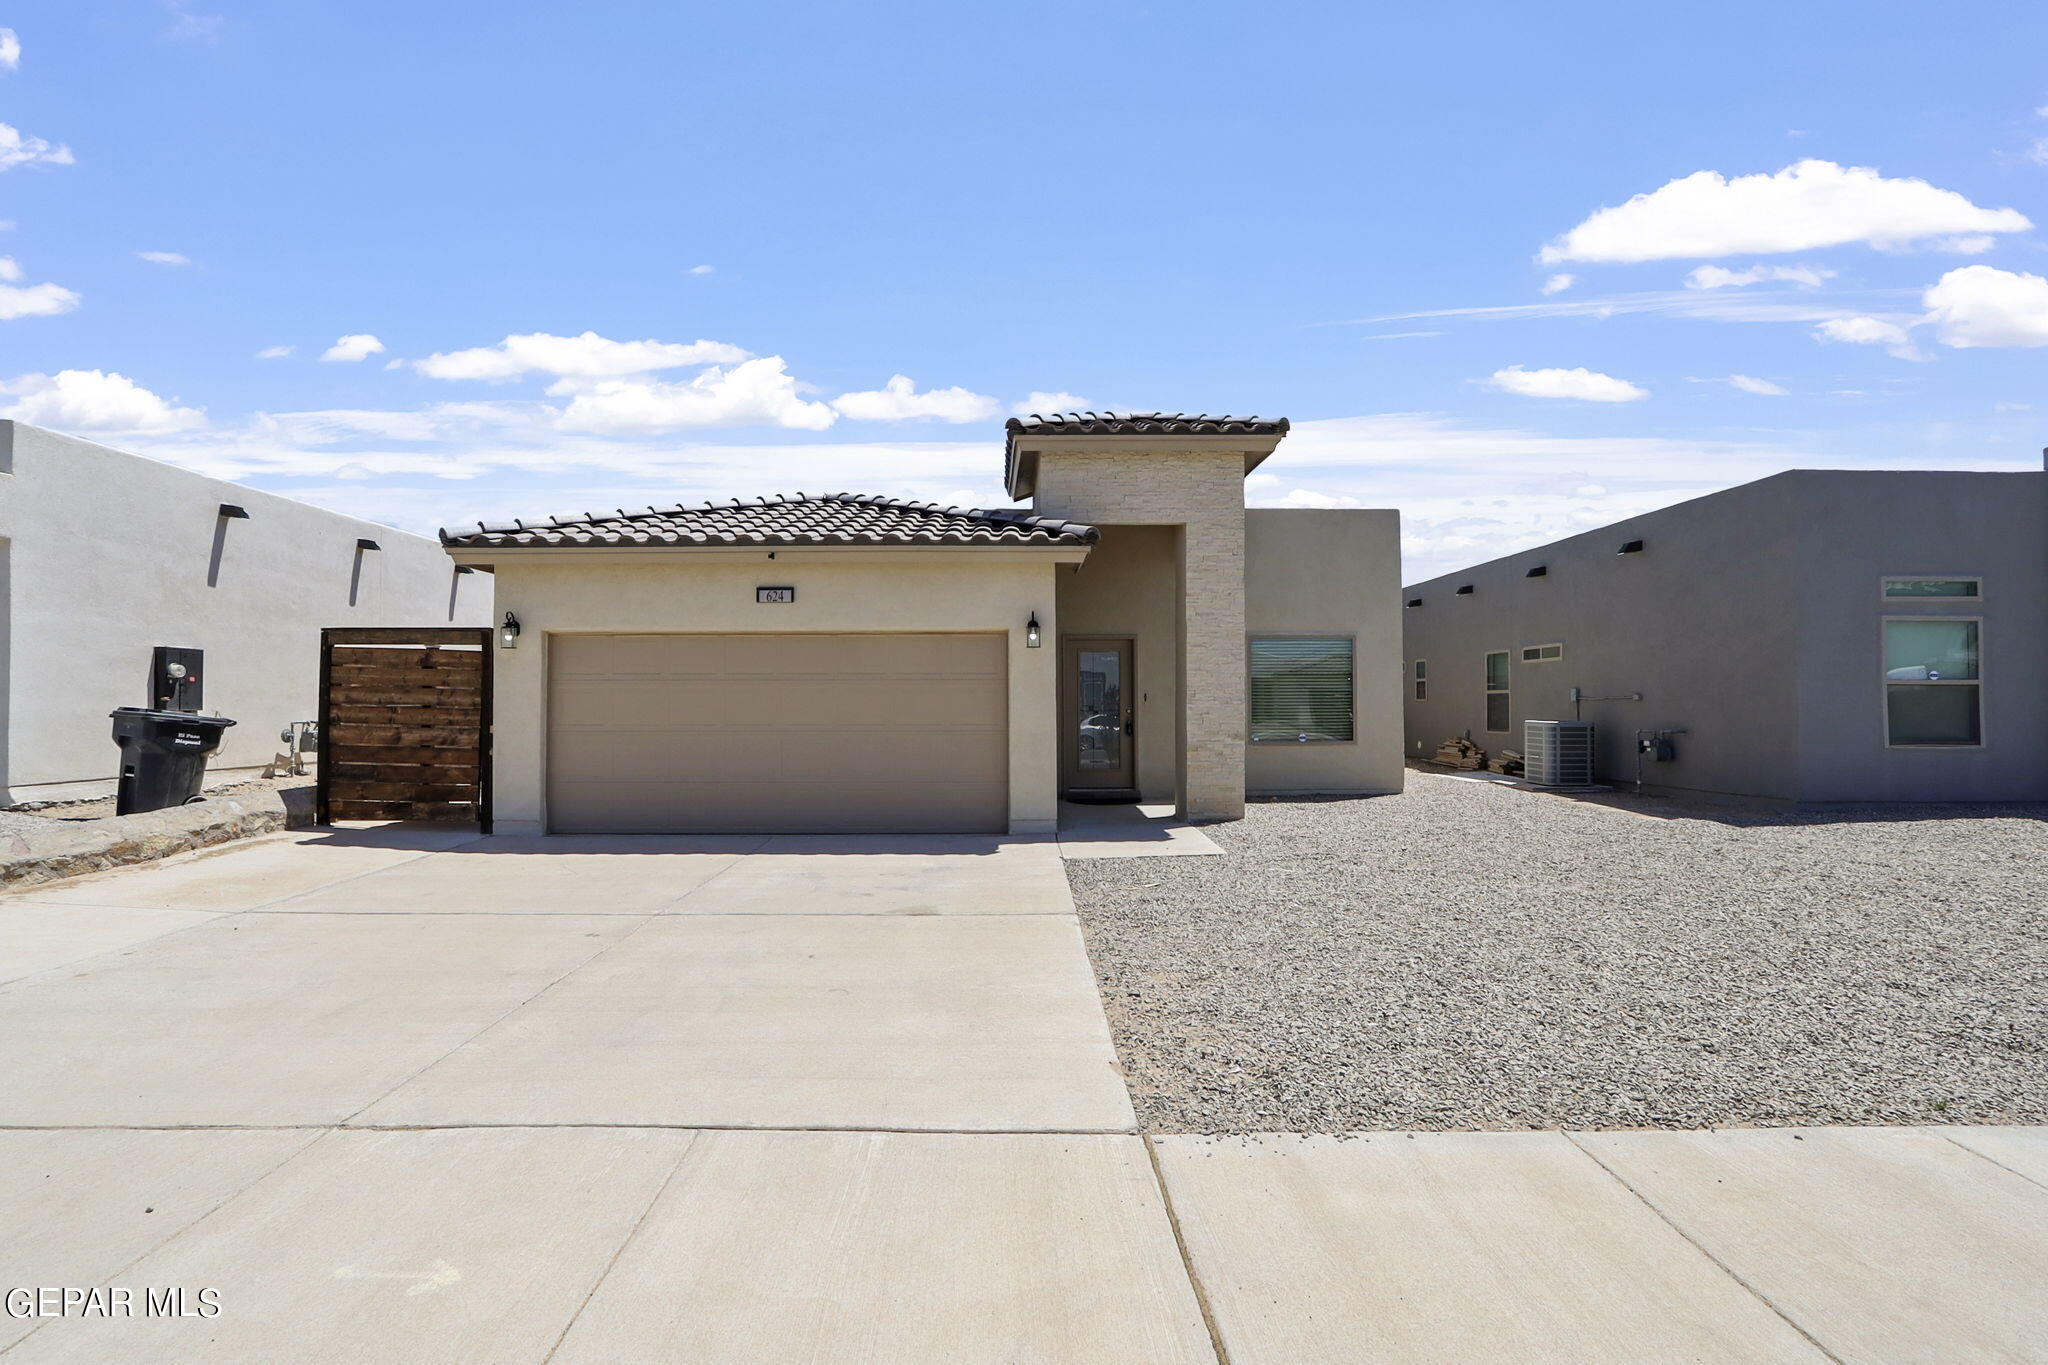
pixel 410 1095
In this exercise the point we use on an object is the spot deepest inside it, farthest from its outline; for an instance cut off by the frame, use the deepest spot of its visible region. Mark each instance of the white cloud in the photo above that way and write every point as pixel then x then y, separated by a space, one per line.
pixel 1751 384
pixel 1981 305
pixel 36 301
pixel 1721 277
pixel 18 149
pixel 1807 205
pixel 1869 331
pixel 164 257
pixel 899 401
pixel 199 28
pixel 94 400
pixel 588 356
pixel 1557 284
pixel 10 50
pixel 1041 402
pixel 275 352
pixel 30 301
pixel 1709 305
pixel 1309 497
pixel 1466 493
pixel 703 270
pixel 753 393
pixel 1588 385
pixel 2012 407
pixel 1470 493
pixel 355 346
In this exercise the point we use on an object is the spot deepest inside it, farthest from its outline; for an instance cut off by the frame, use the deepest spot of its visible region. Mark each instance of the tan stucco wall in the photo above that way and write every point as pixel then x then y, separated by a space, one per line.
pixel 1313 572
pixel 921 590
pixel 1130 586
pixel 1202 492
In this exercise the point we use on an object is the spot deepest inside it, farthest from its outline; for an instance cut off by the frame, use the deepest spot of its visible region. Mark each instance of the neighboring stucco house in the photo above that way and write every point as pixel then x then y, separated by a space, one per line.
pixel 837 662
pixel 105 556
pixel 1818 636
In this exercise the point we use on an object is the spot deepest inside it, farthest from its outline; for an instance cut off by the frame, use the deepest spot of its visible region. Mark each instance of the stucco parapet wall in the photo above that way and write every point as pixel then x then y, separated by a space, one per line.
pixel 74 850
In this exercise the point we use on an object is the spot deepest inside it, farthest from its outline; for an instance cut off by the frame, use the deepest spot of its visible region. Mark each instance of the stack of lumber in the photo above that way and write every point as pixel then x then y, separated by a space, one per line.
pixel 1461 753
pixel 1507 762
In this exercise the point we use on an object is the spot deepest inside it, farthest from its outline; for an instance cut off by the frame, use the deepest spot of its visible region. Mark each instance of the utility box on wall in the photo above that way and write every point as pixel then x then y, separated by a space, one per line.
pixel 176 678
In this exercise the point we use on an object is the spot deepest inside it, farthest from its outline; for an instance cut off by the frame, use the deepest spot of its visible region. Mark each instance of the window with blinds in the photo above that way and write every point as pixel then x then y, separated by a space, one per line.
pixel 1301 689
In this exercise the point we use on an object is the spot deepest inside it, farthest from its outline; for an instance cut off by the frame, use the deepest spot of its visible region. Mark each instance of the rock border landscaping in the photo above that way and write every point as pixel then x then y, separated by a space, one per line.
pixel 29 859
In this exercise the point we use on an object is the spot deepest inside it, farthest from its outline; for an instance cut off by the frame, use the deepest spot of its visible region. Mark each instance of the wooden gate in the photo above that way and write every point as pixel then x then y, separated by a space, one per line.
pixel 405 725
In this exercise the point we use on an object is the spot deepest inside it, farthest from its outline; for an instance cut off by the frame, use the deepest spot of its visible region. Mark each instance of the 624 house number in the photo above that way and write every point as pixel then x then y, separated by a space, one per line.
pixel 775 594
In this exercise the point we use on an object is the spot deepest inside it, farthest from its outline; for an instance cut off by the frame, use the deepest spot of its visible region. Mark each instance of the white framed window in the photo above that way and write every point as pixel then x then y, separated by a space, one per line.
pixel 1536 654
pixel 1498 708
pixel 1933 682
pixel 1301 689
pixel 1952 588
pixel 1421 680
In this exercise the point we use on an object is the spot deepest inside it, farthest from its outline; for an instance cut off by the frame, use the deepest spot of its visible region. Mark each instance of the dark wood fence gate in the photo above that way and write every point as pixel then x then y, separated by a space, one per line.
pixel 405 725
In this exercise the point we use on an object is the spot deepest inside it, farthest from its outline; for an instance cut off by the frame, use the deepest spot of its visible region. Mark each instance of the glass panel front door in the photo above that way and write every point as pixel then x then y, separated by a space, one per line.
pixel 1101 690
pixel 1096 701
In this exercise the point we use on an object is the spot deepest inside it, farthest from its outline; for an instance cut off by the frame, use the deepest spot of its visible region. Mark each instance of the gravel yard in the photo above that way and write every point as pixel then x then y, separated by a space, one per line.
pixel 1468 955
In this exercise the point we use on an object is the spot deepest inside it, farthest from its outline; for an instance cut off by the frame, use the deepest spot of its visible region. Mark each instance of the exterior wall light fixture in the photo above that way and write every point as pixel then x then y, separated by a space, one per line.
pixel 1539 571
pixel 233 512
pixel 508 633
pixel 1465 591
pixel 1031 640
pixel 362 544
pixel 1414 601
pixel 1630 547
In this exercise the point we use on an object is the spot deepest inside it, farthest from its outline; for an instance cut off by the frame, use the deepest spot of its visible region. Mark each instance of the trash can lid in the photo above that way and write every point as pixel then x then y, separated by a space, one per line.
pixel 171 717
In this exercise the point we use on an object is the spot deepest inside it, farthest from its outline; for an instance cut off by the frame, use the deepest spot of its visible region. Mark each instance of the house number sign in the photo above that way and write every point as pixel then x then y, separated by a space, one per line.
pixel 775 594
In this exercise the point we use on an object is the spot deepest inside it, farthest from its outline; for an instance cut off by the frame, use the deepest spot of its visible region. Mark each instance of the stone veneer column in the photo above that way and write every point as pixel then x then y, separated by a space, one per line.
pixel 1201 492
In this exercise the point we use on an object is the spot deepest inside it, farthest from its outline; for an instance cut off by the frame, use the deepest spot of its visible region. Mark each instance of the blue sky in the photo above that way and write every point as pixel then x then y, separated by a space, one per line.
pixel 619 253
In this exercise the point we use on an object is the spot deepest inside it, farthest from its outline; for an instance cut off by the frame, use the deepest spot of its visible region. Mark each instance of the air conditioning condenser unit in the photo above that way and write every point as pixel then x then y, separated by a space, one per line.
pixel 1557 753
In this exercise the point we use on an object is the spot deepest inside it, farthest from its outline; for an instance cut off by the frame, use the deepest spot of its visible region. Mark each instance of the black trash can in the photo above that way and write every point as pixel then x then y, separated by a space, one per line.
pixel 163 756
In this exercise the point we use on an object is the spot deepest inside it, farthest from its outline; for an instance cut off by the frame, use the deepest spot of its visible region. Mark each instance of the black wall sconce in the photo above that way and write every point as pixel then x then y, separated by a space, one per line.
pixel 1414 601
pixel 233 512
pixel 1631 547
pixel 368 545
pixel 464 568
pixel 1465 591
pixel 1540 571
pixel 1031 640
pixel 508 632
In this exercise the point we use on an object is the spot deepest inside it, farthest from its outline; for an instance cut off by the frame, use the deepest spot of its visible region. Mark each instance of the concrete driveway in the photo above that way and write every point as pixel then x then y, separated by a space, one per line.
pixel 403 1094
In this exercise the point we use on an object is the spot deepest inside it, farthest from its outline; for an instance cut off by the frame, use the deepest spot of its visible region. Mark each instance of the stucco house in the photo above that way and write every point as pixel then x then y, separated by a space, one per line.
pixel 837 662
pixel 1819 636
pixel 105 557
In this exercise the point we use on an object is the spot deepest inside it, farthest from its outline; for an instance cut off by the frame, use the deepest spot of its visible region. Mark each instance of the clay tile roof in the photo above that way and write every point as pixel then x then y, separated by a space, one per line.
pixel 1145 424
pixel 785 519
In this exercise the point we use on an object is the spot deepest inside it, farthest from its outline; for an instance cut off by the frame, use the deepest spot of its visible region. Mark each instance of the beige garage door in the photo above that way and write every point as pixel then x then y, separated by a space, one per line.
pixel 778 733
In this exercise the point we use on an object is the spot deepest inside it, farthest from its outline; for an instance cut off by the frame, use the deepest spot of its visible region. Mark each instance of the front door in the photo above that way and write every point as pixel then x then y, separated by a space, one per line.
pixel 1098 751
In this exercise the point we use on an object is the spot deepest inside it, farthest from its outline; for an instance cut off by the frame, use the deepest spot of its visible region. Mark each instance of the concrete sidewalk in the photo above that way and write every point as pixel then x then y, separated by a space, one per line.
pixel 407 1095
